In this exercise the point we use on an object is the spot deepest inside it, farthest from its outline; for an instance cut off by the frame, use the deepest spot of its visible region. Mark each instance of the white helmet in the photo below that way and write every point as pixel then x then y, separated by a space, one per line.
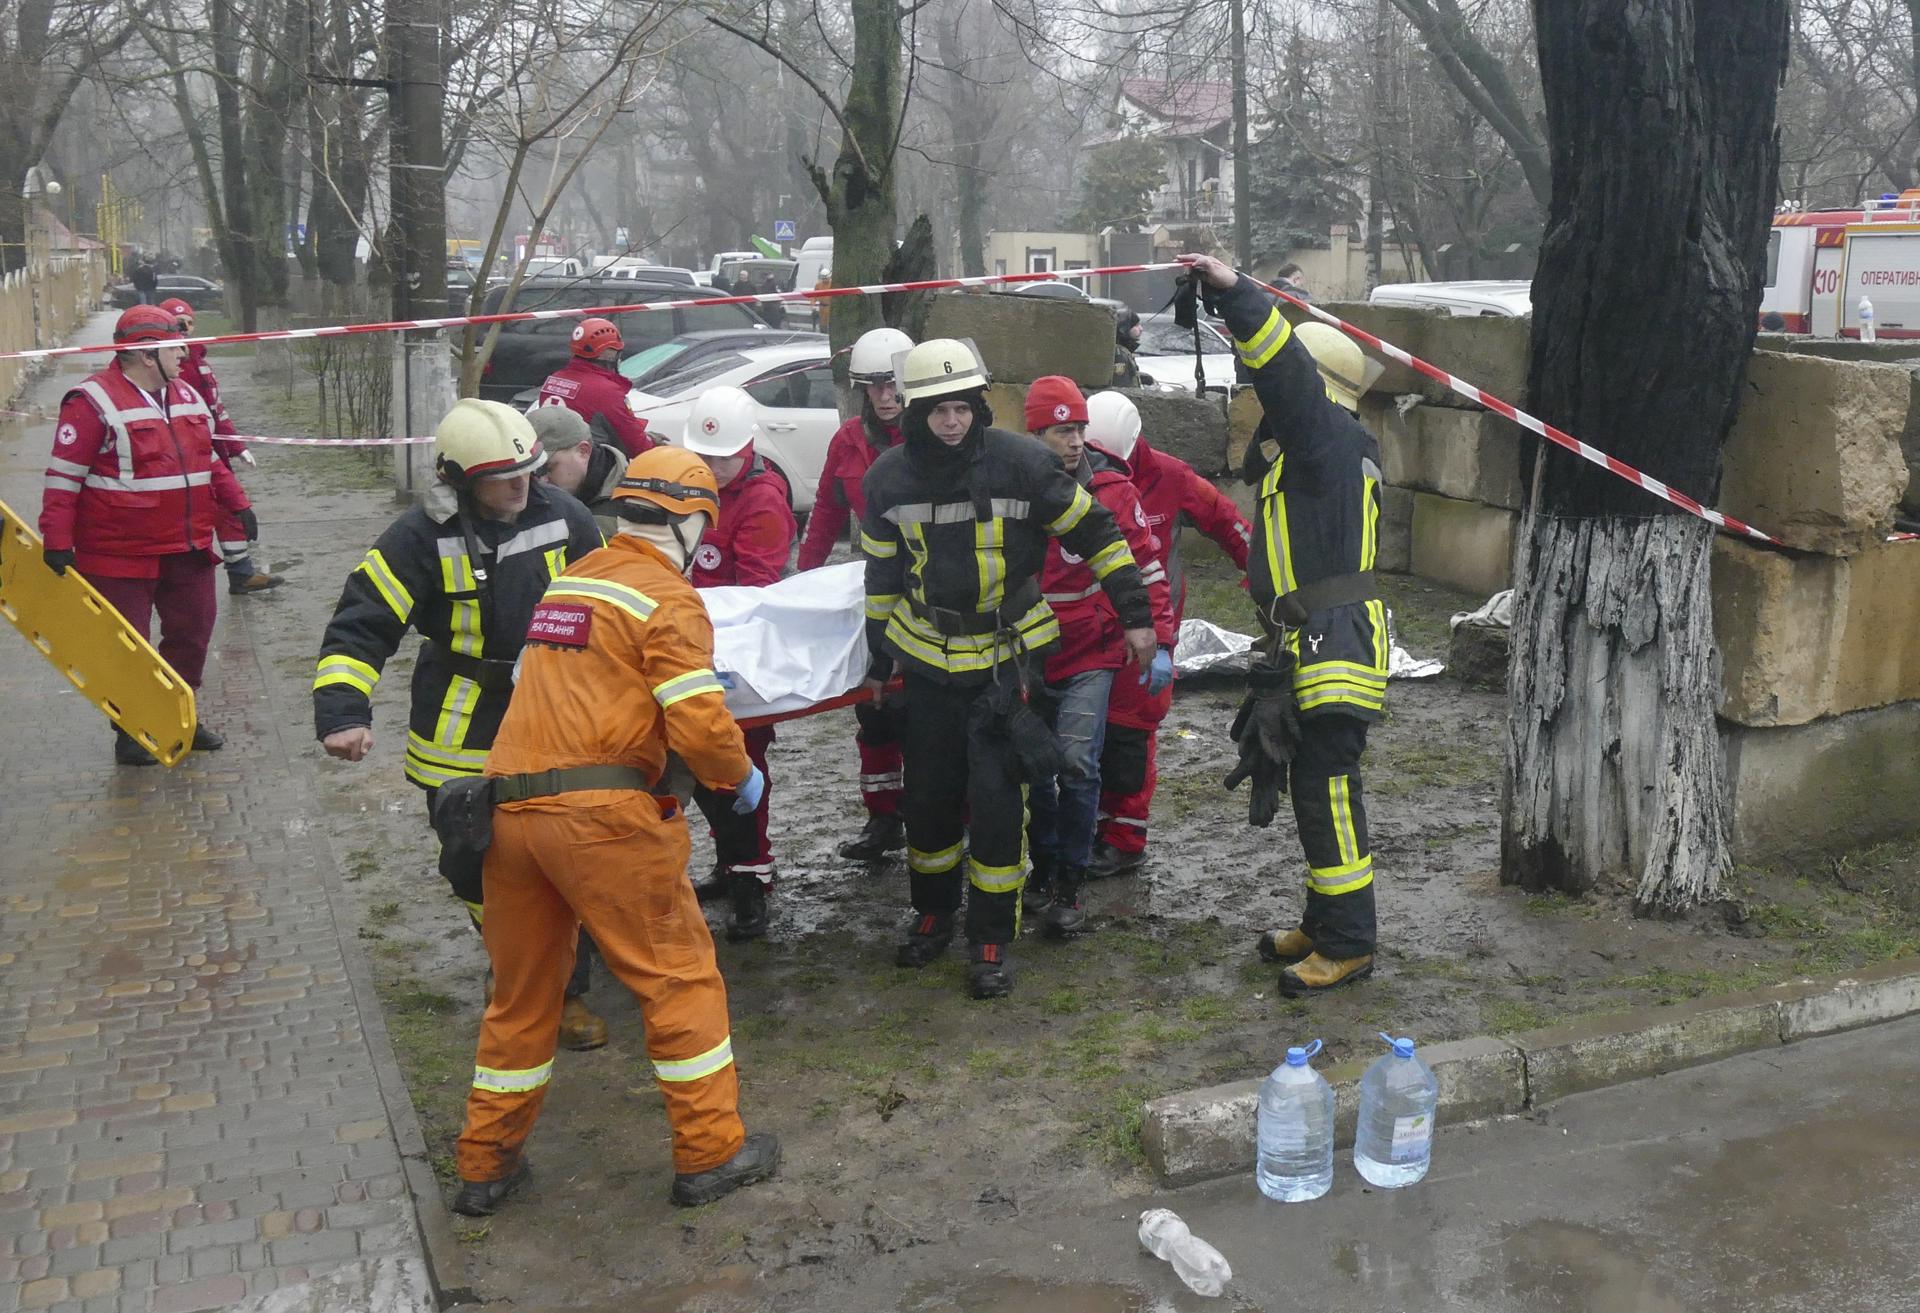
pixel 874 353
pixel 479 439
pixel 721 422
pixel 1113 423
pixel 939 367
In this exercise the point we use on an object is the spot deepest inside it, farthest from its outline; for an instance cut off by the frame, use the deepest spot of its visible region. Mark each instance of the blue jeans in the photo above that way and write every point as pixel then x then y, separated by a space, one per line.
pixel 1066 810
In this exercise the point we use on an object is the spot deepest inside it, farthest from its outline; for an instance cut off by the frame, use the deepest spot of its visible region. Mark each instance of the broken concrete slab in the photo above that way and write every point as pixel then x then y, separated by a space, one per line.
pixel 1023 338
pixel 1873 994
pixel 1838 784
pixel 1814 457
pixel 1192 428
pixel 1463 543
pixel 1469 455
pixel 1478 655
pixel 1599 1051
pixel 1393 547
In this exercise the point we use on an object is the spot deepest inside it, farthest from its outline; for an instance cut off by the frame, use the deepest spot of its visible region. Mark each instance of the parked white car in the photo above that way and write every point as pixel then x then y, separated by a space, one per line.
pixel 1496 297
pixel 793 388
pixel 1166 355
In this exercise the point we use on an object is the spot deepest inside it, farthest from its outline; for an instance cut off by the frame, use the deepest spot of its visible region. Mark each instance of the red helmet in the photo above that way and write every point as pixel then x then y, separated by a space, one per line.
pixel 177 308
pixel 592 336
pixel 145 323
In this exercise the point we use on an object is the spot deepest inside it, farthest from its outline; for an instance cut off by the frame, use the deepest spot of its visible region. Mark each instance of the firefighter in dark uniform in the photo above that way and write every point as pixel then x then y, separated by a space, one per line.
pixel 955 533
pixel 1310 572
pixel 465 568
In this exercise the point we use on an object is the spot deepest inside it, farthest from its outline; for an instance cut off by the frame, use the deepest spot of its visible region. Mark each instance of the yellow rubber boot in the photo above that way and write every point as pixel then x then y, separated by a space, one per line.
pixel 580 1029
pixel 1284 946
pixel 1315 974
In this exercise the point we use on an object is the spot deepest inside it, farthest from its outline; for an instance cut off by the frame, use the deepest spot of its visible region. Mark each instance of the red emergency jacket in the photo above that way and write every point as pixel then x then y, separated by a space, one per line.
pixel 198 375
pixel 750 543
pixel 1170 491
pixel 1090 629
pixel 850 455
pixel 601 395
pixel 127 484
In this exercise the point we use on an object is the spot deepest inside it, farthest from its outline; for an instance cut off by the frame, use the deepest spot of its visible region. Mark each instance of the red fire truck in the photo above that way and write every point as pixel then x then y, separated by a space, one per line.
pixel 1820 263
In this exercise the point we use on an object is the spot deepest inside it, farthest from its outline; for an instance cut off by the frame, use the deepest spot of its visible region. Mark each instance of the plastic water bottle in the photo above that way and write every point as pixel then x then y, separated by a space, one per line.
pixel 1195 1262
pixel 1295 1160
pixel 1393 1144
pixel 1866 321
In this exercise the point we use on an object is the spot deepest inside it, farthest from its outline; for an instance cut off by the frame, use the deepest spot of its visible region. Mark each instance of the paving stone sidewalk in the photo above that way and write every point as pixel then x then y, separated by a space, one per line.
pixel 198 1103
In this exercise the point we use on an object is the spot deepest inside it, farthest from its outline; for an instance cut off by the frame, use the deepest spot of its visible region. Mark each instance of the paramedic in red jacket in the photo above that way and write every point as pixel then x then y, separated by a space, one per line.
pixel 592 385
pixel 855 446
pixel 747 547
pixel 132 490
pixel 1173 495
pixel 1088 664
pixel 230 535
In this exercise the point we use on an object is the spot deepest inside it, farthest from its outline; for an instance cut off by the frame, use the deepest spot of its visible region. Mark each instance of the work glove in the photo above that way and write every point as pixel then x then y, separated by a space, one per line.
pixel 245 456
pixel 1267 731
pixel 57 561
pixel 748 792
pixel 251 523
pixel 1159 674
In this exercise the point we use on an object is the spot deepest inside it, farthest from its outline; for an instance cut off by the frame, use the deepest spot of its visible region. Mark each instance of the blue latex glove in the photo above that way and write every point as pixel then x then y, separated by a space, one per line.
pixel 749 792
pixel 1159 674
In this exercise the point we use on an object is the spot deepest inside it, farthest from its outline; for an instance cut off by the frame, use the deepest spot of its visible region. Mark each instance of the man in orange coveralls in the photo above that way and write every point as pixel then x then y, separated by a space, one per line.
pixel 616 672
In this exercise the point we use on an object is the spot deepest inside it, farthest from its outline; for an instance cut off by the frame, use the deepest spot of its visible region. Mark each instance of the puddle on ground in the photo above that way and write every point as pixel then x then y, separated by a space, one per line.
pixel 1550 1266
pixel 1001 1294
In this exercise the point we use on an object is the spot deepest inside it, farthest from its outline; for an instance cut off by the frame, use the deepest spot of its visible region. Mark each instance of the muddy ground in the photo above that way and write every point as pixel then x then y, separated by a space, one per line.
pixel 909 1114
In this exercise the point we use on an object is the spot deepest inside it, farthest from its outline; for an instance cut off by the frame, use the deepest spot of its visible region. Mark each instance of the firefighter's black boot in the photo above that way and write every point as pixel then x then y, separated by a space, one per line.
pixel 748 917
pixel 927 940
pixel 989 974
pixel 758 1159
pixel 882 835
pixel 205 740
pixel 1109 862
pixel 1064 916
pixel 714 887
pixel 1037 892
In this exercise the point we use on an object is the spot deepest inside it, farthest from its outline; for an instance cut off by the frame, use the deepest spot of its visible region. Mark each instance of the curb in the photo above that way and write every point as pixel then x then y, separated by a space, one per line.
pixel 1208 1133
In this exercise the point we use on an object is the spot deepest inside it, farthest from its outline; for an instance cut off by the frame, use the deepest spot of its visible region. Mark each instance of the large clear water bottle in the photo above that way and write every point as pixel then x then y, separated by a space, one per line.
pixel 1393 1143
pixel 1295 1160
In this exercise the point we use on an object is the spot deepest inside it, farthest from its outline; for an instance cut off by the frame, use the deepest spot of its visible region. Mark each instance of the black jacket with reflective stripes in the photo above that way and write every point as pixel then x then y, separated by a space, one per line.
pixel 936 569
pixel 419 575
pixel 1317 471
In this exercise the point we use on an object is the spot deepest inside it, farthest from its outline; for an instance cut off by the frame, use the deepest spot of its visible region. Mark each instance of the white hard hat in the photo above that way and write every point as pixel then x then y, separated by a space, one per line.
pixel 939 367
pixel 874 353
pixel 1113 423
pixel 481 439
pixel 721 422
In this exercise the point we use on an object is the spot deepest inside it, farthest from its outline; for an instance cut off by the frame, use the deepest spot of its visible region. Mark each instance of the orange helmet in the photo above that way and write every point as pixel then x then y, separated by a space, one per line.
pixel 671 479
pixel 592 336
pixel 145 324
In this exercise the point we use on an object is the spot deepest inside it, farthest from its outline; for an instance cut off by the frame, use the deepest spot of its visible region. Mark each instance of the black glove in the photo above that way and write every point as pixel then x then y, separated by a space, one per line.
pixel 1267 730
pixel 251 523
pixel 1186 295
pixel 57 561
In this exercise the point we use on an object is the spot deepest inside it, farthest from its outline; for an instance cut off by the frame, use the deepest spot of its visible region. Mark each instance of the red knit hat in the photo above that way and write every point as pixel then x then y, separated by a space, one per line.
pixel 1054 400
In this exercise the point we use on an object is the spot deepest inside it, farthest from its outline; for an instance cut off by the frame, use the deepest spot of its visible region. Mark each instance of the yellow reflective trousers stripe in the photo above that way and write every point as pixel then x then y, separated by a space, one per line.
pixel 717 1058
pixel 512 1082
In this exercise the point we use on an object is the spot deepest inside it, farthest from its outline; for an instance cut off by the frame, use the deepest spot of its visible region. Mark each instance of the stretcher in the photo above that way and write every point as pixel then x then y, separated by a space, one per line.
pixel 89 642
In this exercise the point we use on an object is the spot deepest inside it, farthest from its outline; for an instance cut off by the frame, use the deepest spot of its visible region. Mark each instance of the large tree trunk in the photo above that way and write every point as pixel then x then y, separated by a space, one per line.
pixel 860 195
pixel 1665 164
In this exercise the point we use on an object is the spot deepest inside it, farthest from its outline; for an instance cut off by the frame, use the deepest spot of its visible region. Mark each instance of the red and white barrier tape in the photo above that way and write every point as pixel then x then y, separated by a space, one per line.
pixel 521 316
pixel 256 438
pixel 1646 482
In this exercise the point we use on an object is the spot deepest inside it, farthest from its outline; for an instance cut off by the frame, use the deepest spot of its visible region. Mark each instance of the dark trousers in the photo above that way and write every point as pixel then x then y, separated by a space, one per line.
pixel 741 843
pixel 461 871
pixel 963 804
pixel 183 594
pixel 1331 814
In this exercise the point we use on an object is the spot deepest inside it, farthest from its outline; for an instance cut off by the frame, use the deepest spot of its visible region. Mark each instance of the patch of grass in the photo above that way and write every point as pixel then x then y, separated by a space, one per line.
pixel 1423 612
pixel 1064 1003
pixel 1410 764
pixel 1157 1033
pixel 1112 1129
pixel 1209 1007
pixel 1554 903
pixel 383 913
pixel 1504 1016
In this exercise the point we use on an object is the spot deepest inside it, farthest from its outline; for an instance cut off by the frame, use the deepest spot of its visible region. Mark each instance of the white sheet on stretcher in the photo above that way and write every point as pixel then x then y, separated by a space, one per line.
pixel 789 645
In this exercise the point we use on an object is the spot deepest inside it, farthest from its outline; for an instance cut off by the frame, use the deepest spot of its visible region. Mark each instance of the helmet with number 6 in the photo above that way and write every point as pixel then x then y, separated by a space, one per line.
pixel 938 368
pixel 482 440
pixel 1113 423
pixel 721 422
pixel 874 353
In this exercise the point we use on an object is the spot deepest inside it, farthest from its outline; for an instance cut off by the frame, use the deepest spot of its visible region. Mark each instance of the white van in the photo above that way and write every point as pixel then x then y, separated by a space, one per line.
pixel 553 266
pixel 1500 298
pixel 814 261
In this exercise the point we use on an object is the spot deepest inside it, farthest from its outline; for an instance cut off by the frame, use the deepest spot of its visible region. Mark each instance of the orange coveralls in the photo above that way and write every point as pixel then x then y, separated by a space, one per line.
pixel 617 670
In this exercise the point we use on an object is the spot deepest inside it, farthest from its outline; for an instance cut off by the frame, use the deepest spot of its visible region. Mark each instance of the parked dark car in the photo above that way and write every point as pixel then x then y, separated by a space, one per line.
pixel 647 366
pixel 531 349
pixel 200 293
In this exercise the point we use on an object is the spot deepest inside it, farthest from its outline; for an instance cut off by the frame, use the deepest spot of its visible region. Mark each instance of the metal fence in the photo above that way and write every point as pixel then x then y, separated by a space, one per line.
pixel 42 307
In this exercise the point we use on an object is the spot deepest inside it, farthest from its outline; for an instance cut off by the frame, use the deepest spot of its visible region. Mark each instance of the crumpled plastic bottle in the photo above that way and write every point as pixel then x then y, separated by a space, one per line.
pixel 1199 1264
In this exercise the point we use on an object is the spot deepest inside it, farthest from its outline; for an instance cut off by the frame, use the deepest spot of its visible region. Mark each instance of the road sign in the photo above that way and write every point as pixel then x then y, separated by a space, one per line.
pixel 785 230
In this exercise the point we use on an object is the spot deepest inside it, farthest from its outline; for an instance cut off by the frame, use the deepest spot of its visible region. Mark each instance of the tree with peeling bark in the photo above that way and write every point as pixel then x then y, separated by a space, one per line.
pixel 1665 157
